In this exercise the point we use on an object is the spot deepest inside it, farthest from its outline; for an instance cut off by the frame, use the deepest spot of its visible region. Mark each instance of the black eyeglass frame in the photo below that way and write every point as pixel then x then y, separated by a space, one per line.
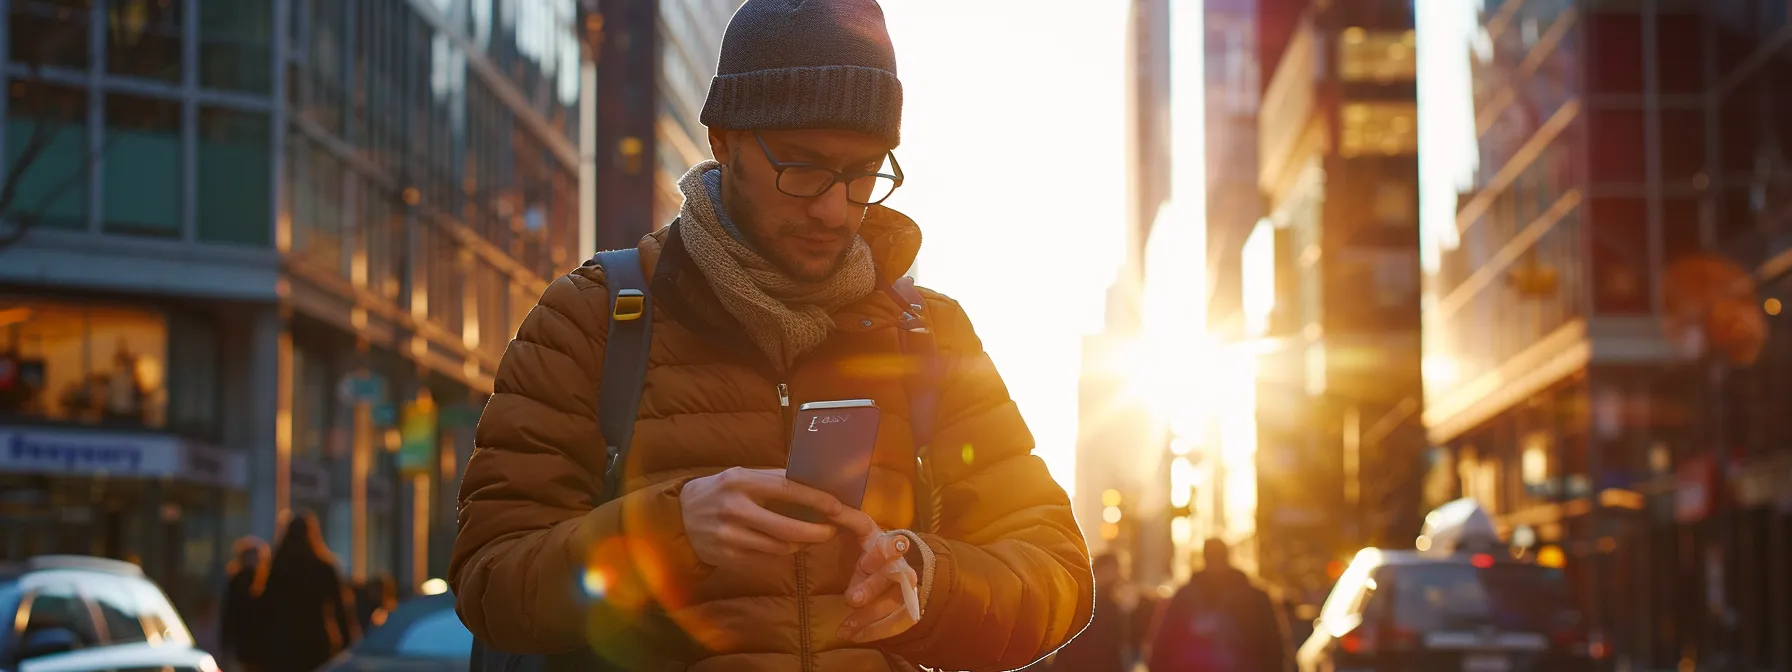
pixel 838 177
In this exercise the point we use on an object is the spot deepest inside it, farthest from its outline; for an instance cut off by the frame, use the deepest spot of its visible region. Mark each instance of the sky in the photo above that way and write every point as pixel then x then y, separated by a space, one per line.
pixel 1013 148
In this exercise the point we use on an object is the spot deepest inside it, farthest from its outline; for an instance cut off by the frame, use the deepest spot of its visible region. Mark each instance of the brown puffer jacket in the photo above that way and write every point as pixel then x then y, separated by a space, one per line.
pixel 1012 579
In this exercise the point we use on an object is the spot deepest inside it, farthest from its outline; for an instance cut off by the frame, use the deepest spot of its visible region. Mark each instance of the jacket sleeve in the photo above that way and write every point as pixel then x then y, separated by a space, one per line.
pixel 1011 580
pixel 534 545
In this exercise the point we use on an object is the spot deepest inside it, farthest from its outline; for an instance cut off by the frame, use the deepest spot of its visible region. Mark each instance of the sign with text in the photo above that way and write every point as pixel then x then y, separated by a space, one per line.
pixel 125 455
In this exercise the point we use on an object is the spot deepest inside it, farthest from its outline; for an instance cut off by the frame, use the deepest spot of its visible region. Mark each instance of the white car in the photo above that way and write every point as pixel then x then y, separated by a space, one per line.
pixel 81 614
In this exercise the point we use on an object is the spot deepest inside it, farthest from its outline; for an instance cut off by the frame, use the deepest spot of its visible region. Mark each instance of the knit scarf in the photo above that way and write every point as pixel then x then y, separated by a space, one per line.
pixel 785 317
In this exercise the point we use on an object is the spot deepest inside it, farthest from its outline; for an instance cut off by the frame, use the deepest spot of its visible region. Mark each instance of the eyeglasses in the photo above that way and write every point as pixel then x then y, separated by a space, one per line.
pixel 807 180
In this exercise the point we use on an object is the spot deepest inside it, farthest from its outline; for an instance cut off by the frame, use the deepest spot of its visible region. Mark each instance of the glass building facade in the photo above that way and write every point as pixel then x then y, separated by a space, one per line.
pixel 1576 156
pixel 257 235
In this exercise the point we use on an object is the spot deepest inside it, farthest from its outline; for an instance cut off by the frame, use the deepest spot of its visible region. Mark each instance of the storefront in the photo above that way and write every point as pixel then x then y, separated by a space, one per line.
pixel 110 437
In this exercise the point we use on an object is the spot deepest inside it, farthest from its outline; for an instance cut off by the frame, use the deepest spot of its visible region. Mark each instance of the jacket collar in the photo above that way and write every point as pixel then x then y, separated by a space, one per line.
pixel 680 288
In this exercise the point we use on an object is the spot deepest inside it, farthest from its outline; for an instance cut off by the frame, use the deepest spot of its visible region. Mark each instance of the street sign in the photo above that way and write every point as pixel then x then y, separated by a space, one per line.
pixel 361 387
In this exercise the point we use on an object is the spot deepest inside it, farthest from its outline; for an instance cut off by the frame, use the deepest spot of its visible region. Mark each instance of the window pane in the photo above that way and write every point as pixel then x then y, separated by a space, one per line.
pixel 86 364
pixel 50 32
pixel 58 606
pixel 53 184
pixel 143 38
pixel 118 608
pixel 233 177
pixel 233 44
pixel 142 166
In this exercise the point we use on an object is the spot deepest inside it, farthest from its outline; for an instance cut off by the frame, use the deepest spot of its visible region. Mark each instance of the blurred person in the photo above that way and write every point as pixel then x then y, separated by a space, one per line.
pixel 1218 622
pixel 772 288
pixel 375 598
pixel 243 620
pixel 1103 645
pixel 310 608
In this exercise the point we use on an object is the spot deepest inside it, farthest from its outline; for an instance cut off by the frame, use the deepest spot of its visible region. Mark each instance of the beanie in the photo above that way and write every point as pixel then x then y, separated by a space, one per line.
pixel 807 64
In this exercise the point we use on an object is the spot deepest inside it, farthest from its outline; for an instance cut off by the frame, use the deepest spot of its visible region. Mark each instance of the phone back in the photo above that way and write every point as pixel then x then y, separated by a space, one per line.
pixel 831 446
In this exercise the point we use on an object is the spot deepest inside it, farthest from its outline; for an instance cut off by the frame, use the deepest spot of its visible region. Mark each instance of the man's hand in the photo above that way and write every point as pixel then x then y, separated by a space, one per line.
pixel 881 592
pixel 727 522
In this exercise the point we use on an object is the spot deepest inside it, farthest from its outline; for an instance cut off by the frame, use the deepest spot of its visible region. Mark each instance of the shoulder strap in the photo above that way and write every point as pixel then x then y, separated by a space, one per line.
pixel 923 386
pixel 625 358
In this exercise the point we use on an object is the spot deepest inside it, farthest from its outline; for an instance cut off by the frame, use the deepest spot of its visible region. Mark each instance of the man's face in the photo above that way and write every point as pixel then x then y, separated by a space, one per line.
pixel 806 237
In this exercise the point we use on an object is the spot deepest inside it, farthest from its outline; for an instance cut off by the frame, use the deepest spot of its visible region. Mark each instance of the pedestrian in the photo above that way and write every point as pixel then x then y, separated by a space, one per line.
pixel 780 283
pixel 1103 646
pixel 311 610
pixel 374 600
pixel 243 621
pixel 1219 622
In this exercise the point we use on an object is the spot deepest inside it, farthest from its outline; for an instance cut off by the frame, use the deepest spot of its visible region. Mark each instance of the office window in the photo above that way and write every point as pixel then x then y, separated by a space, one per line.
pixel 1615 52
pixel 1621 268
pixel 1378 56
pixel 234 179
pixel 312 389
pixel 1682 60
pixel 83 363
pixel 142 166
pixel 1615 152
pixel 53 185
pixel 234 38
pixel 193 376
pixel 143 38
pixel 50 32
pixel 1682 143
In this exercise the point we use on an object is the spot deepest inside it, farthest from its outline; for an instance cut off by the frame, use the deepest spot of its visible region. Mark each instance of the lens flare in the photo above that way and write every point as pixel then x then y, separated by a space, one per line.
pixel 595 582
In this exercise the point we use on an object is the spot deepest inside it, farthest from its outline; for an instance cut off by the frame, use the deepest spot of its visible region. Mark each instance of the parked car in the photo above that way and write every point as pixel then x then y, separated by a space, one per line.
pixel 81 614
pixel 1459 601
pixel 423 634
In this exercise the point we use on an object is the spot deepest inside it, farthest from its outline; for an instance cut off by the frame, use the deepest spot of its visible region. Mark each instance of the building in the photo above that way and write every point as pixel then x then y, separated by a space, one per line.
pixel 1338 322
pixel 651 86
pixel 1607 249
pixel 1115 430
pixel 1234 204
pixel 308 232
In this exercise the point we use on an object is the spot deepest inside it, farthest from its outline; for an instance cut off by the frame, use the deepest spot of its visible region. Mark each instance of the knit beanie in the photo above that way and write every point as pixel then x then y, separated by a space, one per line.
pixel 807 64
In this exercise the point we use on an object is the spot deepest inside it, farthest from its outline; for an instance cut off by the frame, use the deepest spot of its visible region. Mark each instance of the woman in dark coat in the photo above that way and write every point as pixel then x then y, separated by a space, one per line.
pixel 311 609
pixel 243 623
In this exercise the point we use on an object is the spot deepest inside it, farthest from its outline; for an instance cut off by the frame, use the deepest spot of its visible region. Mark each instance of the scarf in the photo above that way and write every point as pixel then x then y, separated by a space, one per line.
pixel 785 317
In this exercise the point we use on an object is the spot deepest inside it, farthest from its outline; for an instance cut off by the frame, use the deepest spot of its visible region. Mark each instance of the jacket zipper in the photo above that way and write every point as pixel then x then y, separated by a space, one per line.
pixel 802 574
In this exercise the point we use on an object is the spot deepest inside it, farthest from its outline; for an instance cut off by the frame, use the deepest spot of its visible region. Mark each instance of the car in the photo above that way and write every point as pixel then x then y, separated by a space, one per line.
pixel 82 614
pixel 1459 602
pixel 422 634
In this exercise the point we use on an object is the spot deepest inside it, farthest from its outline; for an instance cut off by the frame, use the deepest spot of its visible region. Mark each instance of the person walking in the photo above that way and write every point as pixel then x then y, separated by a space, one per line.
pixel 1219 622
pixel 780 283
pixel 311 611
pixel 243 624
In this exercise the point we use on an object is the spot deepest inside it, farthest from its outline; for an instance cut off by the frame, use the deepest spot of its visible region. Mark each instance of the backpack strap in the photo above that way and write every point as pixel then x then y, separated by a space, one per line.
pixel 922 384
pixel 625 358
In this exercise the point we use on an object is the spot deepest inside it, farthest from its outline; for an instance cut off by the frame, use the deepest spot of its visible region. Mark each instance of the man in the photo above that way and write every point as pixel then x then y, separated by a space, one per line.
pixel 1102 647
pixel 1219 622
pixel 767 294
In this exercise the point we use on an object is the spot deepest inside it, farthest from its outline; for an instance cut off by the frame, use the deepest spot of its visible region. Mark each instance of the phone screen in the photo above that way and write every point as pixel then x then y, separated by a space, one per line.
pixel 830 450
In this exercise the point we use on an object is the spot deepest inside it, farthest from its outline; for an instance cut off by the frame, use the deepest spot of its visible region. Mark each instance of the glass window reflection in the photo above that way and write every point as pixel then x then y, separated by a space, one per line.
pixel 52 186
pixel 50 32
pixel 234 178
pixel 143 38
pixel 234 36
pixel 142 166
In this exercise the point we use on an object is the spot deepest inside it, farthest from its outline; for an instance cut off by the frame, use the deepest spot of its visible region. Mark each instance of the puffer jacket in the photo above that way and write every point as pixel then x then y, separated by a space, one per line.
pixel 1011 571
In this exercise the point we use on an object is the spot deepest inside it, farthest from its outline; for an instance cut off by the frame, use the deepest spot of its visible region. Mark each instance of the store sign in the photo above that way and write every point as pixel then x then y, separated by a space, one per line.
pixel 125 455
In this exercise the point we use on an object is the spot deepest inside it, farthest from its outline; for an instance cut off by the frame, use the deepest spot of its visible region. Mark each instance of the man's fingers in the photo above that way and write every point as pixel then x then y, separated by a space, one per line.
pixel 868 588
pixel 747 540
pixel 780 527
pixel 885 617
pixel 855 521
pixel 771 484
pixel 883 549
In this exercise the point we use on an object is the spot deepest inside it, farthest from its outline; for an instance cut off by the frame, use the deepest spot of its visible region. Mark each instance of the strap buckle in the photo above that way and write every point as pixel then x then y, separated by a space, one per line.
pixel 630 305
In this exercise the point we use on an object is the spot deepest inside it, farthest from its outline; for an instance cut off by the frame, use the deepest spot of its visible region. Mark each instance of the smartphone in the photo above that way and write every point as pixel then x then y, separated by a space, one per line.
pixel 830 450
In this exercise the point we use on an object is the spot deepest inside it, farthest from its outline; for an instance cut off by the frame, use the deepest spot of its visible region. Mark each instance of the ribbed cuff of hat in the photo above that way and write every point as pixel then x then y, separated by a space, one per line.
pixel 842 97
